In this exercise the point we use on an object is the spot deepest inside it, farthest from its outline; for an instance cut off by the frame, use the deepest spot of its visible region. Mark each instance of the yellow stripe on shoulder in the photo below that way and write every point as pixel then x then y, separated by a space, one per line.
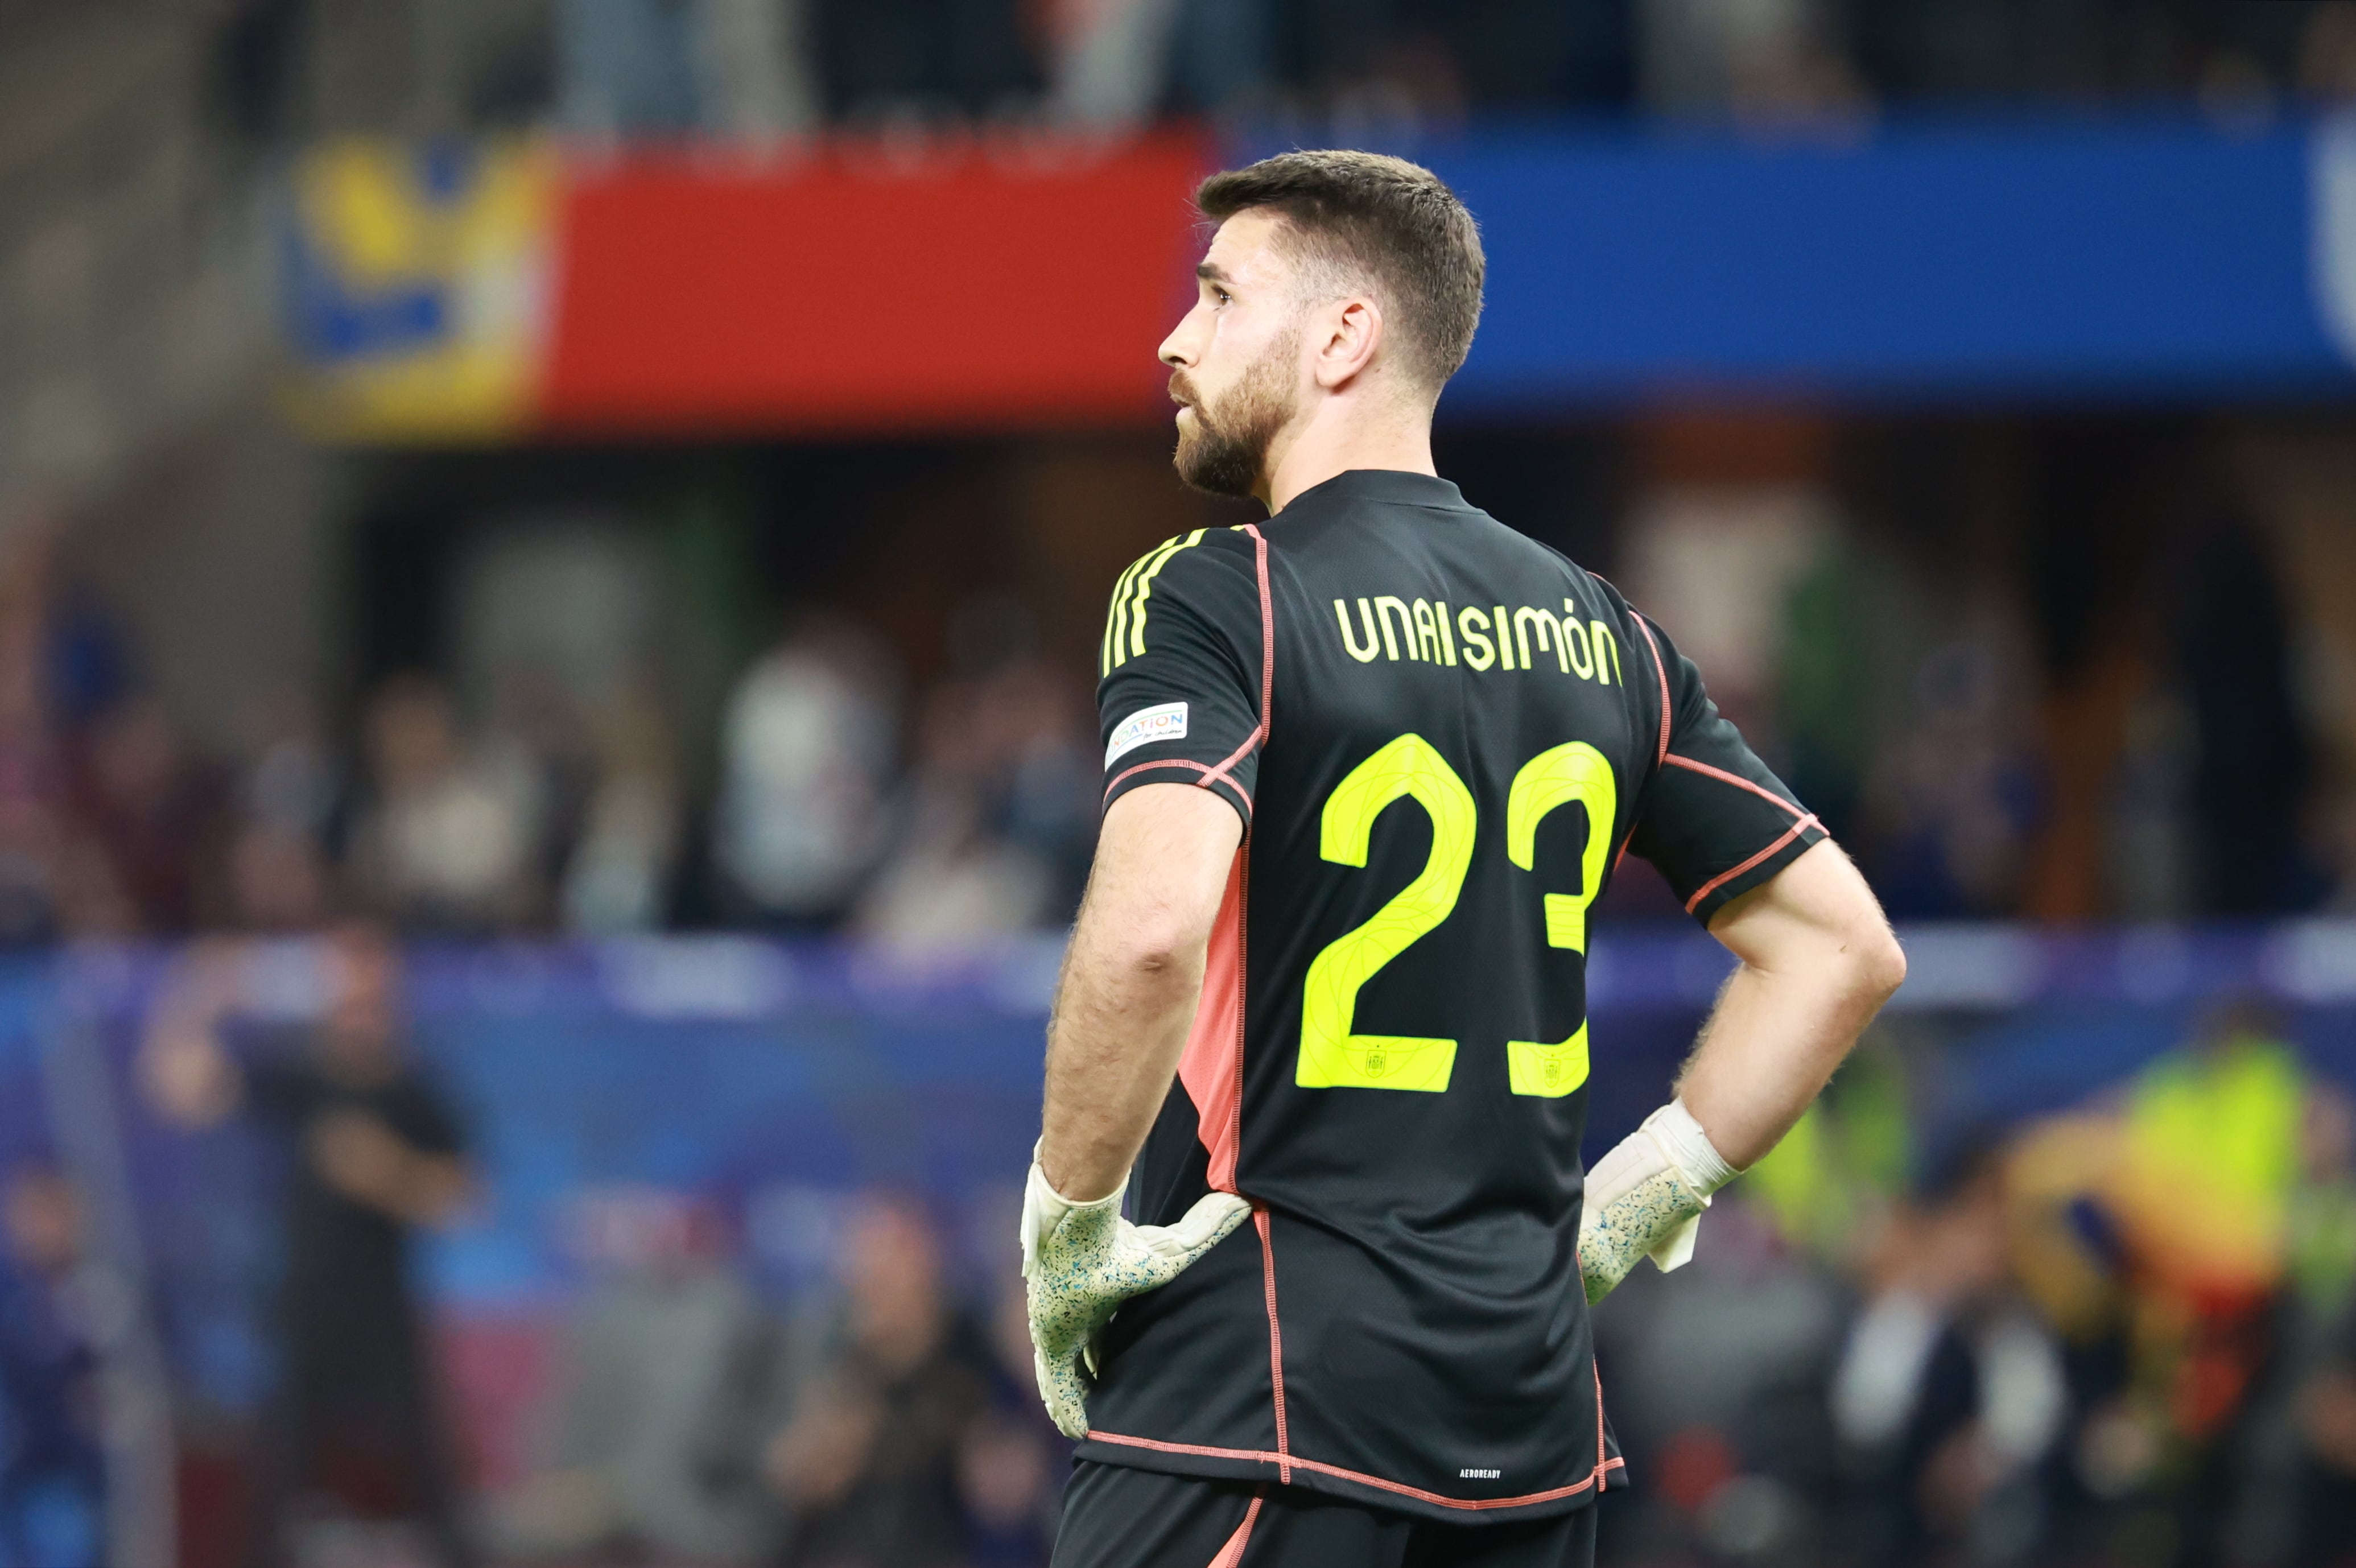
pixel 1125 629
pixel 1116 628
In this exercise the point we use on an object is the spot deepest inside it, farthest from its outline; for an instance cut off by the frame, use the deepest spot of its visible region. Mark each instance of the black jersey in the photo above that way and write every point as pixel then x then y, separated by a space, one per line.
pixel 1440 736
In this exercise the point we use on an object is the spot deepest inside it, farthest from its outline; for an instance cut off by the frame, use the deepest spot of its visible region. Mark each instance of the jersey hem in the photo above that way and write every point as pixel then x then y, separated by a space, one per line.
pixel 1334 1480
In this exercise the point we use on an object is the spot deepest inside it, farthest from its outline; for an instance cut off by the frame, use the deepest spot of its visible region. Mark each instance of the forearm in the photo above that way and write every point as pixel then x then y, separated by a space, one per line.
pixel 1122 1019
pixel 1768 1050
pixel 1816 961
pixel 1130 981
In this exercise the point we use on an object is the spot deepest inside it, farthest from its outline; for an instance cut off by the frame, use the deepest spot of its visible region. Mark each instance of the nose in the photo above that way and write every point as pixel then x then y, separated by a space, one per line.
pixel 1177 350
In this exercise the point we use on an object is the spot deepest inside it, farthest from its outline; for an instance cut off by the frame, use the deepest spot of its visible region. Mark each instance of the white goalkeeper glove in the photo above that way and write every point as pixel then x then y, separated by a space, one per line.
pixel 1081 1261
pixel 1644 1198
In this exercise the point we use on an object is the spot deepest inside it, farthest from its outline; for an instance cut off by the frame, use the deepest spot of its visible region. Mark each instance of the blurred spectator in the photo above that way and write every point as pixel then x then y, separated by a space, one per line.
pixel 1110 59
pixel 2302 1504
pixel 669 69
pixel 289 807
pixel 1954 800
pixel 52 1463
pixel 1755 60
pixel 374 1152
pixel 290 783
pixel 1948 1396
pixel 871 1461
pixel 140 796
pixel 2325 1414
pixel 628 67
pixel 2327 55
pixel 882 61
pixel 805 750
pixel 998 812
pixel 446 840
pixel 536 748
pixel 618 874
pixel 1013 1462
pixel 670 1375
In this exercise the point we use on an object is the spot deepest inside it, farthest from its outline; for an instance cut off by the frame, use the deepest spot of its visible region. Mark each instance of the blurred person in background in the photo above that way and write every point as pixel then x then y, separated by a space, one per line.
pixel 629 69
pixel 654 69
pixel 54 665
pixel 2301 1500
pixel 885 61
pixel 618 875
pixel 1953 801
pixel 1949 1395
pixel 669 1376
pixel 52 1461
pixel 375 1153
pixel 869 1464
pixel 805 750
pixel 2325 1417
pixel 445 841
pixel 290 807
pixel 536 746
pixel 998 816
pixel 140 797
pixel 1013 1461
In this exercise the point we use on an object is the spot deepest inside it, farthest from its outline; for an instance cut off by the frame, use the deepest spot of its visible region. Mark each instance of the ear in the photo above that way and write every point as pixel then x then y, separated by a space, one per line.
pixel 1345 335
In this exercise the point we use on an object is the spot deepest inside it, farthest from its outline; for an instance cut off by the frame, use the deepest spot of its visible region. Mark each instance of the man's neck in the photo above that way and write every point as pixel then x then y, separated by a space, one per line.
pixel 1339 438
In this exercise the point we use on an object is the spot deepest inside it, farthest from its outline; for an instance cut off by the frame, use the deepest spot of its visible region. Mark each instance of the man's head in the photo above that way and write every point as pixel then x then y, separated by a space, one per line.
pixel 1331 274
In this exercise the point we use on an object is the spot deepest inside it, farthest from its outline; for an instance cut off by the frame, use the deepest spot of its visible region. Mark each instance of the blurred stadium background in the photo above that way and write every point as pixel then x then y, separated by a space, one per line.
pixel 624 491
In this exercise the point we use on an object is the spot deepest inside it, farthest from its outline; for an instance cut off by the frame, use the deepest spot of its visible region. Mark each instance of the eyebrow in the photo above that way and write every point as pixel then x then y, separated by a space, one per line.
pixel 1211 271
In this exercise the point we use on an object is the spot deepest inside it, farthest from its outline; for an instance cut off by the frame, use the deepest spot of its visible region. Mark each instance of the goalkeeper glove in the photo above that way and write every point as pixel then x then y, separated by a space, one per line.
pixel 1081 1261
pixel 1644 1198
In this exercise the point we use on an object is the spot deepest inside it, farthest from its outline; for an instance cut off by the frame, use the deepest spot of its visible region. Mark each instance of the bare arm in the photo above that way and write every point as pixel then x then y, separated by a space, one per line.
pixel 1818 961
pixel 1131 980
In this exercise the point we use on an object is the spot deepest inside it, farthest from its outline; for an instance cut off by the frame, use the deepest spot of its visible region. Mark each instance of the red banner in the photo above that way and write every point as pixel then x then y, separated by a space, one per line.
pixel 981 285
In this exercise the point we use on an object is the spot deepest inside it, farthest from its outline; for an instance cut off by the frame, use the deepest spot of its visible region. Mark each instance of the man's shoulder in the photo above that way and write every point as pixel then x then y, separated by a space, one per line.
pixel 1197 548
pixel 1208 574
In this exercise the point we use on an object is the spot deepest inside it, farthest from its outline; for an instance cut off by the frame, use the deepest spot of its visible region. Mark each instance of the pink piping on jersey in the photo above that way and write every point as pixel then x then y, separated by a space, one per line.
pixel 1595 1376
pixel 1128 773
pixel 1723 877
pixel 1275 1344
pixel 1260 1457
pixel 1267 663
pixel 1661 674
pixel 1739 782
pixel 1661 752
pixel 1231 1555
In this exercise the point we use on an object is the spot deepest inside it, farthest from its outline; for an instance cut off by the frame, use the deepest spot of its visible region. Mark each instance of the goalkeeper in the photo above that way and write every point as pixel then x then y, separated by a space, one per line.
pixel 1323 1023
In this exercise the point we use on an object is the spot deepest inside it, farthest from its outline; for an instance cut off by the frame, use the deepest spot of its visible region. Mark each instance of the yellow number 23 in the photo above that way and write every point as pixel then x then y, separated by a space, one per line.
pixel 1331 1054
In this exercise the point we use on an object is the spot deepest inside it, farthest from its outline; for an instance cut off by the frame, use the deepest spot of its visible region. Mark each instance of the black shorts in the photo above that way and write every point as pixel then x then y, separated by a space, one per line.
pixel 1119 1517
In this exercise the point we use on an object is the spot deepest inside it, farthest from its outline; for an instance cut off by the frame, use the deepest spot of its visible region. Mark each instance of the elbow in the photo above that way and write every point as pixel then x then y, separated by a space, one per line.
pixel 1161 952
pixel 1877 964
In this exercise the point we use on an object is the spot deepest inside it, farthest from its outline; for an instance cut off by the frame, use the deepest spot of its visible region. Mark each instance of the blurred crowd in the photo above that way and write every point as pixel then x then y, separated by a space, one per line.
pixel 2119 703
pixel 1933 1327
pixel 839 804
pixel 756 70
pixel 2124 1333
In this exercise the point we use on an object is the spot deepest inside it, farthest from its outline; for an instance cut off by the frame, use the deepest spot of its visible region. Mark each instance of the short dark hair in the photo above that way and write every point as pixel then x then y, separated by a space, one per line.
pixel 1393 222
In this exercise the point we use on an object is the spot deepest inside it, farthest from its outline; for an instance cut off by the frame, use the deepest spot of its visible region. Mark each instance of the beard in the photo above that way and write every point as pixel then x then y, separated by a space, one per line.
pixel 1225 453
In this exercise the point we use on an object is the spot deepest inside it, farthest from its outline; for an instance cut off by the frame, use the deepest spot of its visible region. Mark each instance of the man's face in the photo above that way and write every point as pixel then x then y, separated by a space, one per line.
pixel 1235 357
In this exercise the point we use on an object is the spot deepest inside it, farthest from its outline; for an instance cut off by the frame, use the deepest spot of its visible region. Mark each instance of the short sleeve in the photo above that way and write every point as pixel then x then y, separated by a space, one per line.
pixel 1183 669
pixel 1715 821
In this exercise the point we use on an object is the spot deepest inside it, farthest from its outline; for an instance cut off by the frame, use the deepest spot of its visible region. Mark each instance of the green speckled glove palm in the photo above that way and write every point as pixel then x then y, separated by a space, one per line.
pixel 1644 1199
pixel 1081 1261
